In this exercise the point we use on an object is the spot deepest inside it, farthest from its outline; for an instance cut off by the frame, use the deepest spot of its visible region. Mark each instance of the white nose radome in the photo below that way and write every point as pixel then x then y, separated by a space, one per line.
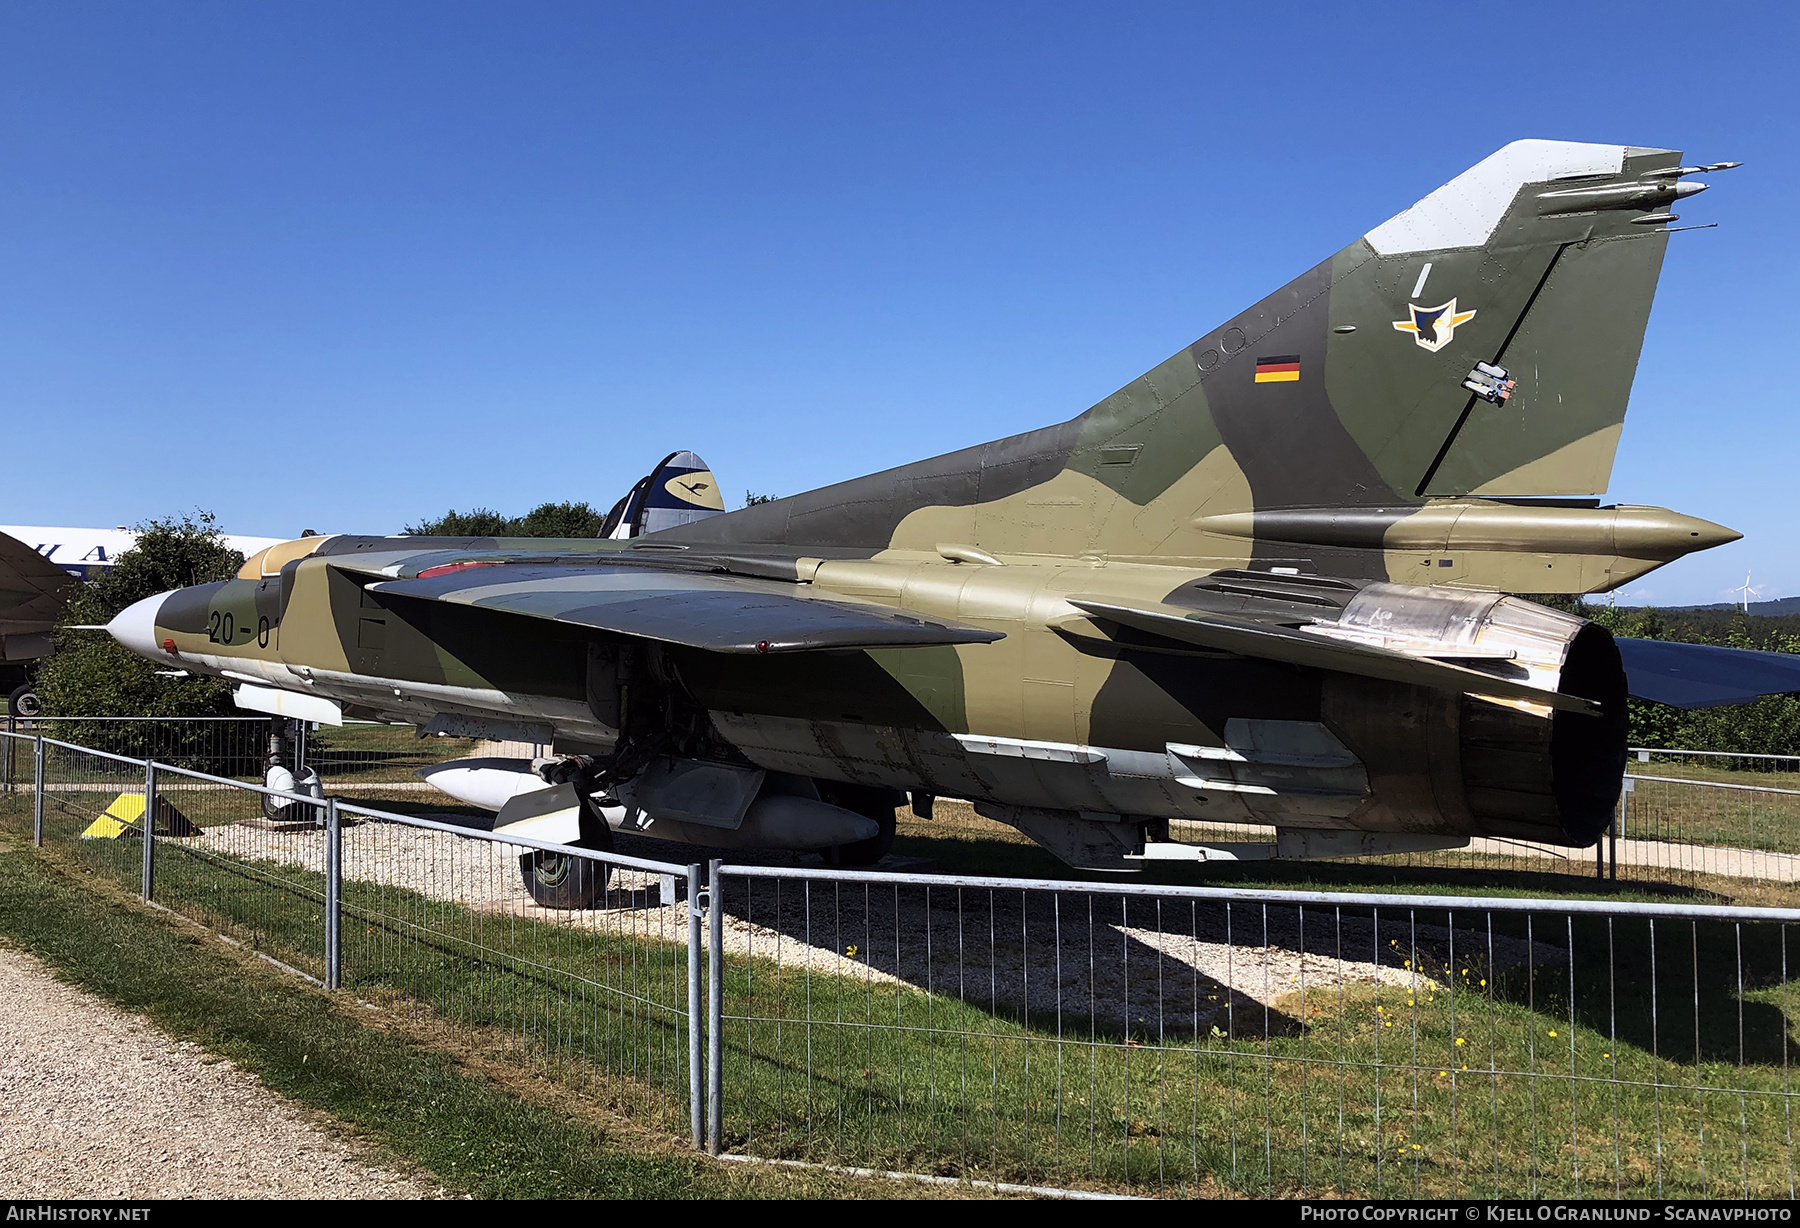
pixel 135 628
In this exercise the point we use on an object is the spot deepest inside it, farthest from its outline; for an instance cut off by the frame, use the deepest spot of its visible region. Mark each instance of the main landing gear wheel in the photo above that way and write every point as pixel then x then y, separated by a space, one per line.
pixel 24 703
pixel 877 804
pixel 557 880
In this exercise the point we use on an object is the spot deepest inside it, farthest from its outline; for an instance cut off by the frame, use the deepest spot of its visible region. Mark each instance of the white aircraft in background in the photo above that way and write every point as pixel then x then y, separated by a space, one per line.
pixel 36 562
pixel 38 568
pixel 84 552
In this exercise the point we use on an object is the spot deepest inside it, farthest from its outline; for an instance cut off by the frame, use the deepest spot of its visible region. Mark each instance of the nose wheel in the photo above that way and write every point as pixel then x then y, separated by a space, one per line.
pixel 24 703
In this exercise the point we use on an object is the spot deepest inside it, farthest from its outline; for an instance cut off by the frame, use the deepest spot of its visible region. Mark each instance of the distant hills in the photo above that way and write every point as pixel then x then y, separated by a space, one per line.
pixel 1772 626
pixel 1779 608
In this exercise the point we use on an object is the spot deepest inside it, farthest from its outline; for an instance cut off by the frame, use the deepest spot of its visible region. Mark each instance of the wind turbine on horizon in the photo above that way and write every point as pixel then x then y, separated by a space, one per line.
pixel 1748 592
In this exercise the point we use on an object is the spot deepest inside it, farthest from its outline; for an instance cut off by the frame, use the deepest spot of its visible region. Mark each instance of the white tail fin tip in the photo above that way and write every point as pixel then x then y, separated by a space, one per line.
pixel 1465 211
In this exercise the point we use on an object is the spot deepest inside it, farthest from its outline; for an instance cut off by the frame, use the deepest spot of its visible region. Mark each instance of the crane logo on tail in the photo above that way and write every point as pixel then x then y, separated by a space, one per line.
pixel 1432 327
pixel 696 489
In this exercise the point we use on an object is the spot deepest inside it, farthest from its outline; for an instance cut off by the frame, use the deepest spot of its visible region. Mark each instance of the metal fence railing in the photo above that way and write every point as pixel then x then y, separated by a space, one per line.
pixel 367 760
pixel 1728 760
pixel 1187 1040
pixel 1124 1037
pixel 406 912
pixel 233 746
pixel 1673 827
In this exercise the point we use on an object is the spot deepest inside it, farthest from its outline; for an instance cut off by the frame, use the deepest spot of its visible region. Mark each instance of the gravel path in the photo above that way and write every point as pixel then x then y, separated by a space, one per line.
pixel 95 1103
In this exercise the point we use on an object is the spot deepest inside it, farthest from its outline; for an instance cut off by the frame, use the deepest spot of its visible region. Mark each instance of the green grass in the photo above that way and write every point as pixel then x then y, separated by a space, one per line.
pixel 456 1099
pixel 1363 1091
pixel 1708 767
pixel 1673 1084
pixel 364 754
pixel 232 747
pixel 1733 818
pixel 600 1010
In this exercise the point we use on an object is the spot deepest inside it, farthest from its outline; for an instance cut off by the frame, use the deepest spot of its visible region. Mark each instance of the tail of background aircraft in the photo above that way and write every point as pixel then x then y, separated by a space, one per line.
pixel 1481 344
pixel 680 490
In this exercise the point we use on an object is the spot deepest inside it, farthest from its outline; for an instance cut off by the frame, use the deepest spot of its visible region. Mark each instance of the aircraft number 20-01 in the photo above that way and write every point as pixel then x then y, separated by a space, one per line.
pixel 223 627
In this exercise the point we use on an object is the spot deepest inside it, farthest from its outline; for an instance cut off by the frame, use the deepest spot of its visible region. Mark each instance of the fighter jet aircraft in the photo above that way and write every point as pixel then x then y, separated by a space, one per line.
pixel 33 595
pixel 38 570
pixel 680 490
pixel 1262 583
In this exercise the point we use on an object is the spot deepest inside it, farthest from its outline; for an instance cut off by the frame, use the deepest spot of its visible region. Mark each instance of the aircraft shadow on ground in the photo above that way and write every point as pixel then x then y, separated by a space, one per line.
pixel 1146 968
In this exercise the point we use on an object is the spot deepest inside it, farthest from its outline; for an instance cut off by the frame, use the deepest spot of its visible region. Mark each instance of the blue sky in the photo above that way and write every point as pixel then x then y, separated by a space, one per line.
pixel 342 266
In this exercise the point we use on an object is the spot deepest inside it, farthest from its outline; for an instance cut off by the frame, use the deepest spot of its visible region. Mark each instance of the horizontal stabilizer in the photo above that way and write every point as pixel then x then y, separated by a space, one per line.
pixel 1293 646
pixel 708 611
pixel 1704 675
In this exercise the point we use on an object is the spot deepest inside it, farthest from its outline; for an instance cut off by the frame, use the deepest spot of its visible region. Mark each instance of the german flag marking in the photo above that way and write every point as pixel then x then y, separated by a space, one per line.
pixel 1278 369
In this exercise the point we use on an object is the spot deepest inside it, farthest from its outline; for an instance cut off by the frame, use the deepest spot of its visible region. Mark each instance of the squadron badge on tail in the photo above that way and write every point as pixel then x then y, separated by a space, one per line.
pixel 1433 327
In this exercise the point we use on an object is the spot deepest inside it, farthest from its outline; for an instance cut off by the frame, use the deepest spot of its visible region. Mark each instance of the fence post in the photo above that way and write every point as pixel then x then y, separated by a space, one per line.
pixel 696 1058
pixel 334 896
pixel 37 800
pixel 1612 840
pixel 149 822
pixel 12 727
pixel 715 1007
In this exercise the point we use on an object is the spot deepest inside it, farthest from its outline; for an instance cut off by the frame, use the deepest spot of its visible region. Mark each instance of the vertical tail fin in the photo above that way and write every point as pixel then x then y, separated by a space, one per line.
pixel 1560 246
pixel 1483 342
pixel 680 490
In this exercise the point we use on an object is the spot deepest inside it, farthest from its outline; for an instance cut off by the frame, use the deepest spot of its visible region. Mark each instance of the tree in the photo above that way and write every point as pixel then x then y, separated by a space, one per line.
pixel 560 520
pixel 1769 726
pixel 478 522
pixel 751 498
pixel 544 520
pixel 91 674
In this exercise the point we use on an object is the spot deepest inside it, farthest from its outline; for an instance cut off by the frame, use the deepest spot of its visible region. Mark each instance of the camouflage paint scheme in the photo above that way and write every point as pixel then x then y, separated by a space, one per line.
pixel 1261 583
